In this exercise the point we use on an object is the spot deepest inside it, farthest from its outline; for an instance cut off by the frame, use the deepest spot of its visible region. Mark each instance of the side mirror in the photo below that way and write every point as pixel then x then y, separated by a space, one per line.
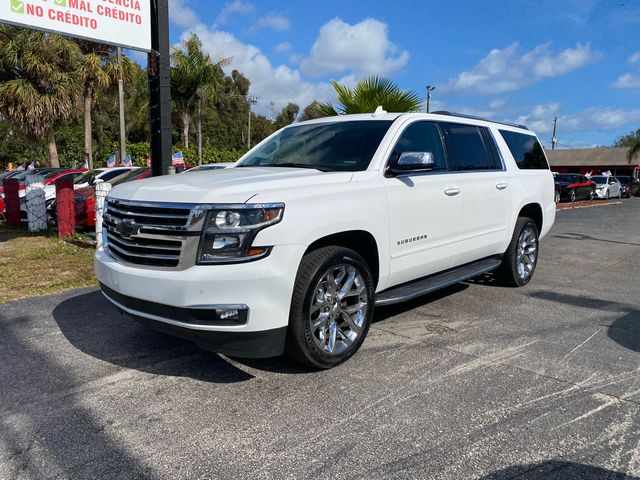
pixel 413 162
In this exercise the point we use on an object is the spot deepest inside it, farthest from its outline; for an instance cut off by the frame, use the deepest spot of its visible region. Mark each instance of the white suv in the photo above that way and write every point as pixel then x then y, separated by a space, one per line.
pixel 291 248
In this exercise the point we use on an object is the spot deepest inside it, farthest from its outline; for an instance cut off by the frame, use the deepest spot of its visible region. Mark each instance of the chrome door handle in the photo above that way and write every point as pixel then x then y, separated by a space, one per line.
pixel 451 191
pixel 501 185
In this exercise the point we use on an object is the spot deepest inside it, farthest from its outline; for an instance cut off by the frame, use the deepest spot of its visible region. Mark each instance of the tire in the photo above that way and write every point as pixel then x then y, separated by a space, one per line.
pixel 510 273
pixel 321 334
pixel 606 194
pixel 619 193
pixel 572 196
pixel 556 198
pixel 592 194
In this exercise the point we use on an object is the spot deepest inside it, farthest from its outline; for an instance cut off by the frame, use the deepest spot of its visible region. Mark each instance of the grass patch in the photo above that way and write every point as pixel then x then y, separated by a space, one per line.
pixel 40 264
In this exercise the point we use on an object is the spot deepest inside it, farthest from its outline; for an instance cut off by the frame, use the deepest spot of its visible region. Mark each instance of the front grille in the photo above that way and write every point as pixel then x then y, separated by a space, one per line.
pixel 147 234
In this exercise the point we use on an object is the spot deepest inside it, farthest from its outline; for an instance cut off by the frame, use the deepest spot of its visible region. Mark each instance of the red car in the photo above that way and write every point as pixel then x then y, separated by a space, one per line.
pixel 85 198
pixel 21 177
pixel 572 187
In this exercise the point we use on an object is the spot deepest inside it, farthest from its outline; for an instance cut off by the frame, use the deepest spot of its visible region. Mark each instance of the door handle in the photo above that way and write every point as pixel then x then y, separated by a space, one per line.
pixel 501 185
pixel 451 191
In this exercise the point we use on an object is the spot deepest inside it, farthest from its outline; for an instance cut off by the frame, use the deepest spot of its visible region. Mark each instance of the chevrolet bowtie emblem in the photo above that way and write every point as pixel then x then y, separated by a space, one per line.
pixel 127 228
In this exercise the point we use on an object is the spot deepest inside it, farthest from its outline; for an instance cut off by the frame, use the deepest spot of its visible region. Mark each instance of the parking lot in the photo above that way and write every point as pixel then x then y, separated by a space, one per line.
pixel 476 381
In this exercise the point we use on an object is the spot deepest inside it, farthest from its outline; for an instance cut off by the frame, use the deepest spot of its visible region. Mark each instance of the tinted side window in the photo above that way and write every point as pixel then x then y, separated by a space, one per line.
pixel 466 148
pixel 526 150
pixel 112 174
pixel 420 137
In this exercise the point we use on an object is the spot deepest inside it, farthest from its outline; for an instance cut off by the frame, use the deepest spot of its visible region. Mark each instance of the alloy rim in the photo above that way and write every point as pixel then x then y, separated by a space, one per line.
pixel 527 253
pixel 338 308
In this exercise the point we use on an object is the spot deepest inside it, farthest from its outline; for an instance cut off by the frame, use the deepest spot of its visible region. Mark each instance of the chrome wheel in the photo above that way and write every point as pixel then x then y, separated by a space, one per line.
pixel 557 197
pixel 338 308
pixel 527 252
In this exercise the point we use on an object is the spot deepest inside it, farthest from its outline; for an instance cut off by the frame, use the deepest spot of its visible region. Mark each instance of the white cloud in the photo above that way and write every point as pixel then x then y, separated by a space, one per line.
pixel 628 80
pixel 274 21
pixel 237 7
pixel 540 120
pixel 504 70
pixel 181 15
pixel 363 48
pixel 278 84
pixel 634 58
pixel 283 47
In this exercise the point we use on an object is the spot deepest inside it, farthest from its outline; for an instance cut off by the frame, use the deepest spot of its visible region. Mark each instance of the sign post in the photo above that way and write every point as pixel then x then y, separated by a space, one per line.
pixel 159 72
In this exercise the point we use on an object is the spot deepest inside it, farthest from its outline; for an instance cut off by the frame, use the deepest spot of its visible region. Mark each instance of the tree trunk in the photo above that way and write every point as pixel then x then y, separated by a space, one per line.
pixel 87 130
pixel 185 130
pixel 199 120
pixel 53 150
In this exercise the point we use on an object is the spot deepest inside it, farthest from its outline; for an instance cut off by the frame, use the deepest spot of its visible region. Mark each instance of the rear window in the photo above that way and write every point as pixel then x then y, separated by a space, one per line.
pixel 526 150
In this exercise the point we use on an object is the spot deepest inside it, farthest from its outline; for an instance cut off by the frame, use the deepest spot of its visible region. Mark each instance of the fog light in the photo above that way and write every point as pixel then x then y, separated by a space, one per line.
pixel 228 314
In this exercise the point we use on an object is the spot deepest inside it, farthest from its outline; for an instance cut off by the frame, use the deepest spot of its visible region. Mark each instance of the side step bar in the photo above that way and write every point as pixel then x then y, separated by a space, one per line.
pixel 422 286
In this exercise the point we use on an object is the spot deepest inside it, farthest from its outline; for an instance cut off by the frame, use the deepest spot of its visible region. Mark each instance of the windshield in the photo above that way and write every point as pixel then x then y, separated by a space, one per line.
pixel 86 177
pixel 131 175
pixel 599 179
pixel 338 146
pixel 565 178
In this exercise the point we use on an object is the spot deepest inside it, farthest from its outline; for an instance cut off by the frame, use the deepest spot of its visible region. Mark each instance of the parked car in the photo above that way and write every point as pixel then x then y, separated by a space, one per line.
pixel 296 243
pixel 21 176
pixel 49 187
pixel 630 186
pixel 572 187
pixel 607 186
pixel 209 166
pixel 90 177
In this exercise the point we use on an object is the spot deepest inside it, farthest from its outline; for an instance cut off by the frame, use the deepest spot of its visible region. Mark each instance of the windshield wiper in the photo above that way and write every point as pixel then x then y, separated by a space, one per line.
pixel 298 165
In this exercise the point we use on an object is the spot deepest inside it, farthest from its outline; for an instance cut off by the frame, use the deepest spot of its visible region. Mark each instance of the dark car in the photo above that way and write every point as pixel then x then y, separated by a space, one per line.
pixel 572 187
pixel 630 186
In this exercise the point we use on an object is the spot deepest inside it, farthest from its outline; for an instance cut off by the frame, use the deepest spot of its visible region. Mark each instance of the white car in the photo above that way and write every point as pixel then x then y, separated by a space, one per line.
pixel 89 178
pixel 293 247
pixel 607 186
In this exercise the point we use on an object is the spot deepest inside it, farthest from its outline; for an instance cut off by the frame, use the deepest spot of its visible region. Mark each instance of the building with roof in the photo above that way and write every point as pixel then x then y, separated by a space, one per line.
pixel 593 160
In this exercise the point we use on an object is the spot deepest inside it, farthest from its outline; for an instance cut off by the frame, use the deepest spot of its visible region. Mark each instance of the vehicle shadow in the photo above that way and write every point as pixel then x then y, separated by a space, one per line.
pixel 582 236
pixel 557 470
pixel 624 330
pixel 94 326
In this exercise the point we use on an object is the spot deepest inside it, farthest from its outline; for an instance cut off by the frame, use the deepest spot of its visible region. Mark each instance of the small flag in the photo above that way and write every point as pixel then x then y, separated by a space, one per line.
pixel 127 161
pixel 111 161
pixel 177 159
pixel 21 167
pixel 31 166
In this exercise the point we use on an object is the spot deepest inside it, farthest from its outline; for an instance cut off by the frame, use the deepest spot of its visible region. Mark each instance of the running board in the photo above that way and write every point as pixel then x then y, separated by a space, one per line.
pixel 437 281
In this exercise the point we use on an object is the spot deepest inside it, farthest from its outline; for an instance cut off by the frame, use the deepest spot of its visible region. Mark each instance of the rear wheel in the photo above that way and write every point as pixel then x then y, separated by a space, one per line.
pixel 331 307
pixel 520 260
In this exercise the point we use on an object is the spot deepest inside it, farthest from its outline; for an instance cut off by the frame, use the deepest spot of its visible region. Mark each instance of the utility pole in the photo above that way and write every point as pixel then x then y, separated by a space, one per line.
pixel 123 141
pixel 252 101
pixel 554 139
pixel 160 88
pixel 430 89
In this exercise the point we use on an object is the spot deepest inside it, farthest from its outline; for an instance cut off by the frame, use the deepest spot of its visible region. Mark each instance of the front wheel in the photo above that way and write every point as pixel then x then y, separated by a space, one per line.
pixel 331 307
pixel 572 196
pixel 592 194
pixel 557 197
pixel 619 193
pixel 520 260
pixel 606 194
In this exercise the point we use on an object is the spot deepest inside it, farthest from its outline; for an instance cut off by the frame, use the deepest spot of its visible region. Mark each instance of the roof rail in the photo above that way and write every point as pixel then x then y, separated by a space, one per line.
pixel 473 117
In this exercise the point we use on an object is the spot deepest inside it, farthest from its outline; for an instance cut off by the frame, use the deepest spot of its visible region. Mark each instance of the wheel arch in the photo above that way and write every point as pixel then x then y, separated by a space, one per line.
pixel 360 241
pixel 534 212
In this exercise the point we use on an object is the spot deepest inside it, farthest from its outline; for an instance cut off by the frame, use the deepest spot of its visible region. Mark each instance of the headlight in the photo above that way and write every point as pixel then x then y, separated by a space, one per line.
pixel 228 233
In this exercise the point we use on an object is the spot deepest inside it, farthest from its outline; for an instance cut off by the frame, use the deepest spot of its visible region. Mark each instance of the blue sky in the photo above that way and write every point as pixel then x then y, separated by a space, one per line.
pixel 516 60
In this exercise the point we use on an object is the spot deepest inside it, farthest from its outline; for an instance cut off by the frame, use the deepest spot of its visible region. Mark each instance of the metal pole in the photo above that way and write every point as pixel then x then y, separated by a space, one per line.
pixel 251 101
pixel 429 90
pixel 123 142
pixel 160 88
pixel 554 139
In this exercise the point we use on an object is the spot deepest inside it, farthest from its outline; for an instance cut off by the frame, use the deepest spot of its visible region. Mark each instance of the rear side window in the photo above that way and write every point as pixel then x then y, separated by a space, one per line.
pixel 526 150
pixel 468 147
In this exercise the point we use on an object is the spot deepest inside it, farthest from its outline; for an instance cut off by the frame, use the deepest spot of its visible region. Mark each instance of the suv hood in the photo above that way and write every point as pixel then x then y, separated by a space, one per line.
pixel 227 185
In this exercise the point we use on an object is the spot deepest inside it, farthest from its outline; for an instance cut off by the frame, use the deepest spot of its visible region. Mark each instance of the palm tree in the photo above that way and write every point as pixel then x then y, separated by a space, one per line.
pixel 194 80
pixel 634 149
pixel 367 95
pixel 98 70
pixel 38 88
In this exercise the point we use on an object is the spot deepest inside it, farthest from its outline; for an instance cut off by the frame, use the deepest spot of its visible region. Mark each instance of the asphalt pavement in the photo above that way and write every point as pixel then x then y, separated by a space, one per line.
pixel 476 381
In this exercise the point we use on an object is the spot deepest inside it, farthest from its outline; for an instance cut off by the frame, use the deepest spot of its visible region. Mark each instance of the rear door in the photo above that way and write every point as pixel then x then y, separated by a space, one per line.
pixel 483 182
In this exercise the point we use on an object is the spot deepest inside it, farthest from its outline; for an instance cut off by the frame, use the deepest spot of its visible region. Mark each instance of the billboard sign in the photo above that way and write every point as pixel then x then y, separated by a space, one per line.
pixel 125 23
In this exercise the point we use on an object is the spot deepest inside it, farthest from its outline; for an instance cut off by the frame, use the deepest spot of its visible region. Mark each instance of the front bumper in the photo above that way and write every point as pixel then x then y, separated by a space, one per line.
pixel 176 301
pixel 601 192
